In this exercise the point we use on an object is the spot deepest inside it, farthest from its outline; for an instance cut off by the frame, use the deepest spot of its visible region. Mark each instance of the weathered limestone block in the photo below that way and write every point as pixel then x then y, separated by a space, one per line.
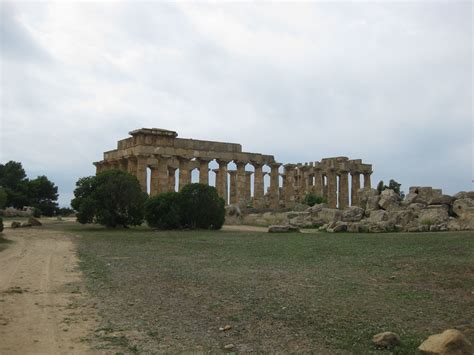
pixel 433 214
pixel 449 342
pixel 402 217
pixel 378 216
pixel 441 200
pixel 416 207
pixel 364 195
pixel 317 208
pixel 389 200
pixel 329 215
pixel 464 194
pixel 303 220
pixel 413 198
pixel 352 214
pixel 380 227
pixel 337 227
pixel 464 208
pixel 426 193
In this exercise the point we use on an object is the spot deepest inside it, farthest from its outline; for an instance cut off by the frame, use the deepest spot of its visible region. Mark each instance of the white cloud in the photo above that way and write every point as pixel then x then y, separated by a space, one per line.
pixel 390 83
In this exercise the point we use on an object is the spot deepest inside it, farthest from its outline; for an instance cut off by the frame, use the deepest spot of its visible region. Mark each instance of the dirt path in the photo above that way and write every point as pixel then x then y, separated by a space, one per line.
pixel 44 308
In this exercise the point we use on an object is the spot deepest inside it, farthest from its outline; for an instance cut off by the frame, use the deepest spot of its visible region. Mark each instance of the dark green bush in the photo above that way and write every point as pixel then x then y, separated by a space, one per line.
pixel 112 198
pixel 312 199
pixel 201 207
pixel 163 211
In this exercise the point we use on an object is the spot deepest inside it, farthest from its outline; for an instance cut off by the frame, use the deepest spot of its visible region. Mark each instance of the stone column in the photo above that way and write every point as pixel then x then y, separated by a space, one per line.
pixel 258 188
pixel 141 171
pixel 123 164
pixel 233 186
pixel 163 171
pixel 132 166
pixel 343 189
pixel 154 180
pixel 318 182
pixel 367 184
pixel 355 187
pixel 332 188
pixel 222 180
pixel 248 185
pixel 171 178
pixel 184 173
pixel 114 164
pixel 289 192
pixel 240 182
pixel 274 185
pixel 204 171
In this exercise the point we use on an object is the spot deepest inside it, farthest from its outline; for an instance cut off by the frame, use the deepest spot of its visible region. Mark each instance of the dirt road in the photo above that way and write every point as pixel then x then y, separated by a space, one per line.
pixel 44 308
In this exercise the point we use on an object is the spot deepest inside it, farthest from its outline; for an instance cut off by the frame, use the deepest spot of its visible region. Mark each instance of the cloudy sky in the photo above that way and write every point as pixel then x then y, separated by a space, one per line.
pixel 391 83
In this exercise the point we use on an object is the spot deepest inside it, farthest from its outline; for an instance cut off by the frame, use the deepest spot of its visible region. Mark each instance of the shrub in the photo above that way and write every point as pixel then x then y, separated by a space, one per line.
pixel 1 224
pixel 112 198
pixel 312 199
pixel 163 211
pixel 201 207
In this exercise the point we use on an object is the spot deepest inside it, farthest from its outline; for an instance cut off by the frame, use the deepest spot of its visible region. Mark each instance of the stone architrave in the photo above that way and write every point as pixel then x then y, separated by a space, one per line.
pixel 258 186
pixel 343 189
pixel 274 185
pixel 142 162
pixel 184 172
pixel 289 190
pixel 355 187
pixel 332 188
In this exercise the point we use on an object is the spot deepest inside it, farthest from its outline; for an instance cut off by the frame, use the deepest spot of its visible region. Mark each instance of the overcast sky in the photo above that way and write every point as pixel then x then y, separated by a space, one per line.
pixel 390 83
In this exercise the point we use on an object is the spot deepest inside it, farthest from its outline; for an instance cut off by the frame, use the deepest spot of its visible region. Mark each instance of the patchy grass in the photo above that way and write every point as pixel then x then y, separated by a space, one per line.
pixel 321 292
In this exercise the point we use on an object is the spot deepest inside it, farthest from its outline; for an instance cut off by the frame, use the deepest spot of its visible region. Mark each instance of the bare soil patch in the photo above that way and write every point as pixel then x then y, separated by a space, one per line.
pixel 44 307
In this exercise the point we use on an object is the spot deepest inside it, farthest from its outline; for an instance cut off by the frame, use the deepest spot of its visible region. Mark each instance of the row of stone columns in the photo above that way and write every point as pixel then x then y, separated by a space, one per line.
pixel 162 177
pixel 297 180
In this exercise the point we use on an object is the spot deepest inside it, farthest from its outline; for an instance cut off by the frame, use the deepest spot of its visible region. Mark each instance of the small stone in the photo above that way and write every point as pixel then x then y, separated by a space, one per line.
pixel 386 340
pixel 229 346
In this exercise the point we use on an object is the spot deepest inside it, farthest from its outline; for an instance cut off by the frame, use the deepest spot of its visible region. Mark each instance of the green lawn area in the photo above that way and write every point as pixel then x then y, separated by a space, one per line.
pixel 325 293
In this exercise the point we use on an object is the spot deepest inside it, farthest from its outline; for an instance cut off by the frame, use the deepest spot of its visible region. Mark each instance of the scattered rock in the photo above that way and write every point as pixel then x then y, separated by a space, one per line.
pixel 378 216
pixel 386 340
pixel 389 200
pixel 225 328
pixel 15 224
pixel 229 346
pixel 352 214
pixel 449 342
pixel 26 224
pixel 34 222
pixel 464 208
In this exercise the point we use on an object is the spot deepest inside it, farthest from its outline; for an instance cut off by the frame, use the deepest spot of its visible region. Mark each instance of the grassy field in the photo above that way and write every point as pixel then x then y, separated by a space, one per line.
pixel 325 293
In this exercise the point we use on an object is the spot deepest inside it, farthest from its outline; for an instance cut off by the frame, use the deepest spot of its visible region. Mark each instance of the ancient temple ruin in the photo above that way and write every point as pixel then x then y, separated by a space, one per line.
pixel 156 157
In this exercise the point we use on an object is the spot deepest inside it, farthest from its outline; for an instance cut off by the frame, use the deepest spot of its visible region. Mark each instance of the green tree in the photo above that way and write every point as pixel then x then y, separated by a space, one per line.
pixel 201 207
pixel 164 211
pixel 111 198
pixel 43 194
pixel 3 197
pixel 311 199
pixel 13 180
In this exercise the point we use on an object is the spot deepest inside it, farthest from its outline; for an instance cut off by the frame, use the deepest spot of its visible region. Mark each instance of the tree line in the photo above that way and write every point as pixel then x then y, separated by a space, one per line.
pixel 16 190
